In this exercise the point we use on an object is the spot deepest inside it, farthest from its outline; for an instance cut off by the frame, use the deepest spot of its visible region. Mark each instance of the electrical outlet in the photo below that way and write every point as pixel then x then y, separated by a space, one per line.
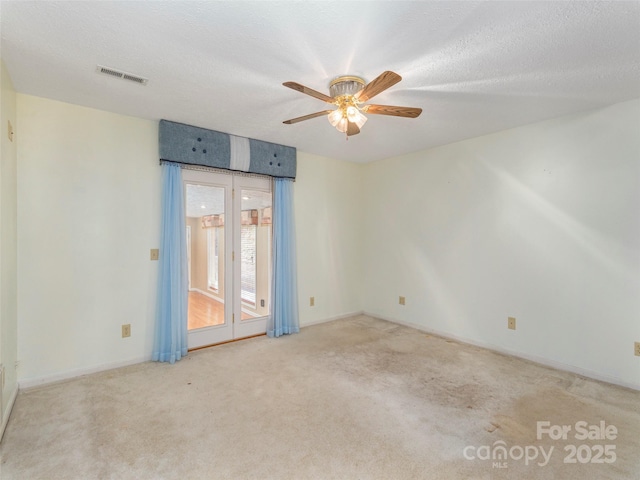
pixel 312 301
pixel 126 330
pixel 155 254
pixel 401 300
pixel 511 323
pixel 636 349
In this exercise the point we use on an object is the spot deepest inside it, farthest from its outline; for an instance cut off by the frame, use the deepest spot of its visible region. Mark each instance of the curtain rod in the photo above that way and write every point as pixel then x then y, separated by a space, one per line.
pixel 224 171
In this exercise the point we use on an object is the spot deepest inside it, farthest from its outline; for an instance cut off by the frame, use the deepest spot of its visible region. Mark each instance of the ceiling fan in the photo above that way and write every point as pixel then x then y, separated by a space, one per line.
pixel 349 94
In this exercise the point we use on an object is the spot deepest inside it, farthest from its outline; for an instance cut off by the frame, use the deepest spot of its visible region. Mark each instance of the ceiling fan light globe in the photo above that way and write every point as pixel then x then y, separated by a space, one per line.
pixel 352 113
pixel 334 117
pixel 360 120
pixel 342 125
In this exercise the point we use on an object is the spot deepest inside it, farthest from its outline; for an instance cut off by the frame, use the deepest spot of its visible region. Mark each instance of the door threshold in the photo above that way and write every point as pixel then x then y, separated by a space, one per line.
pixel 227 341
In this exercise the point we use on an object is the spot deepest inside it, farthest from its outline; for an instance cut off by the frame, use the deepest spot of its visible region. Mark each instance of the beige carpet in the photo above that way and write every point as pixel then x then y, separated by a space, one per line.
pixel 352 399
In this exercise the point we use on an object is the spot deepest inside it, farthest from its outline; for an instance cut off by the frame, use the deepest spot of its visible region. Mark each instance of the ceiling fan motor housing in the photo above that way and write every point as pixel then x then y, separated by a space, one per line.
pixel 345 86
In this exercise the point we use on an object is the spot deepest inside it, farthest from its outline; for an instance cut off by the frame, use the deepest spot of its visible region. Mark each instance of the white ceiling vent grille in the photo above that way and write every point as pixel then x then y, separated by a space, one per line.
pixel 119 74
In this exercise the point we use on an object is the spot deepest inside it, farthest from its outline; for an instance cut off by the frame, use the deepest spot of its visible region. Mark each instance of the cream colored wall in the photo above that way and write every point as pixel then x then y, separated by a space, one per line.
pixel 194 223
pixel 539 222
pixel 329 219
pixel 198 255
pixel 89 190
pixel 76 162
pixel 8 245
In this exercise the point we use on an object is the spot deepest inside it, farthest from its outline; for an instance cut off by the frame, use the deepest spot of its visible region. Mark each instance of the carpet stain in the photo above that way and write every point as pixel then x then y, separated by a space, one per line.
pixel 493 427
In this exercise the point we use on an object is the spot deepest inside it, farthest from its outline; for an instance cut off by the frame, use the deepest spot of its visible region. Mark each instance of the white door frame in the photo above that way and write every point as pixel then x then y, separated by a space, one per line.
pixel 233 327
pixel 256 325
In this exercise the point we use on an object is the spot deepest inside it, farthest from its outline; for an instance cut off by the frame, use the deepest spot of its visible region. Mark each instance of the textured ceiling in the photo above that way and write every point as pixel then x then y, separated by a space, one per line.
pixel 473 67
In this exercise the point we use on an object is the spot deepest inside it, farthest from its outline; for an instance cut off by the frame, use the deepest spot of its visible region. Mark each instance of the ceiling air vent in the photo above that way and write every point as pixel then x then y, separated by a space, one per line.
pixel 119 74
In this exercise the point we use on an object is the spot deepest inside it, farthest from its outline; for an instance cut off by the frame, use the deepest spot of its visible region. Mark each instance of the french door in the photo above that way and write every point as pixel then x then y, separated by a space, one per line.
pixel 229 243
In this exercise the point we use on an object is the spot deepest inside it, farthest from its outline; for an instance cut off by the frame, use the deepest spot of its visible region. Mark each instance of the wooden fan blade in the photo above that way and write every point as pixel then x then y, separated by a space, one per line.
pixel 352 129
pixel 307 117
pixel 377 85
pixel 309 91
pixel 408 112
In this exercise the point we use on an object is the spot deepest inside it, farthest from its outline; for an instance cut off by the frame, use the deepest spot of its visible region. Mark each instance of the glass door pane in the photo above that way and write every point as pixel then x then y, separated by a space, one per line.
pixel 205 219
pixel 210 302
pixel 252 247
pixel 255 246
pixel 248 249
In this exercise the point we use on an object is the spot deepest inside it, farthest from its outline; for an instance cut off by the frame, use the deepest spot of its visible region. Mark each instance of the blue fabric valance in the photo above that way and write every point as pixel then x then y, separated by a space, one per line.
pixel 190 145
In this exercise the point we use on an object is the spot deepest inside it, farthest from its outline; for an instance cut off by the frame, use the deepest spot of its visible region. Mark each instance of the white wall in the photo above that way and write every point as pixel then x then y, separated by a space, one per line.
pixel 88 213
pixel 8 246
pixel 80 280
pixel 328 214
pixel 539 222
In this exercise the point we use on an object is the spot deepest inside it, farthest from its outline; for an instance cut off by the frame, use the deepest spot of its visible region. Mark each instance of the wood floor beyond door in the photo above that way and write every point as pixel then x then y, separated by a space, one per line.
pixel 205 311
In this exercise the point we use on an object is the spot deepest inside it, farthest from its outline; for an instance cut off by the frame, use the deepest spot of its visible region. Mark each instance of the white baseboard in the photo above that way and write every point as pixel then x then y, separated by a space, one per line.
pixel 207 294
pixel 35 382
pixel 252 314
pixel 331 319
pixel 532 358
pixel 29 383
pixel 7 411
